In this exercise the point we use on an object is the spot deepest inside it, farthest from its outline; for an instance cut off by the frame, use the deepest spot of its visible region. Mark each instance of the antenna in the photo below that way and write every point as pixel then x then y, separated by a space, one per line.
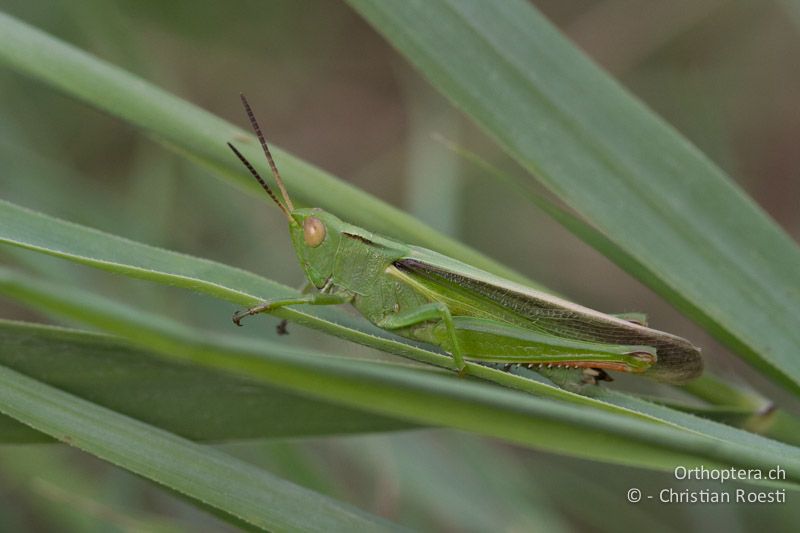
pixel 260 180
pixel 257 129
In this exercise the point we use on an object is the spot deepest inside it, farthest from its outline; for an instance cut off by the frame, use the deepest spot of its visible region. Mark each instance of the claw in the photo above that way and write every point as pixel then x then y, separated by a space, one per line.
pixel 281 327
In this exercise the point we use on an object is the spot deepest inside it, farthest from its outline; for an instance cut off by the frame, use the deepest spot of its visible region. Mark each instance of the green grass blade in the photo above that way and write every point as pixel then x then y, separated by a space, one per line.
pixel 204 474
pixel 717 255
pixel 728 404
pixel 201 136
pixel 428 398
pixel 124 378
pixel 34 231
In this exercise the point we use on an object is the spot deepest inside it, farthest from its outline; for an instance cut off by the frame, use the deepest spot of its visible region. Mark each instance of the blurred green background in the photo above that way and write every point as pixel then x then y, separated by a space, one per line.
pixel 327 88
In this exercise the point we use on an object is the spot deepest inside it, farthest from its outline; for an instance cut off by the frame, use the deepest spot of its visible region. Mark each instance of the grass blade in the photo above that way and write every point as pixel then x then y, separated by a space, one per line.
pixel 202 136
pixel 175 397
pixel 717 256
pixel 429 398
pixel 728 404
pixel 35 231
pixel 27 229
pixel 204 474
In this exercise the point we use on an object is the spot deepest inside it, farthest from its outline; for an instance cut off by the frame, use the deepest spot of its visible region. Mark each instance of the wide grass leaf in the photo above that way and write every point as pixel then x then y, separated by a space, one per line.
pixel 190 401
pixel 729 404
pixel 34 231
pixel 201 136
pixel 696 237
pixel 427 398
pixel 213 478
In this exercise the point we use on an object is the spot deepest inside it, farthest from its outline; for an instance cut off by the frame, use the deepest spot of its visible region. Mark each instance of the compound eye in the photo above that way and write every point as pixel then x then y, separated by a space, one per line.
pixel 313 231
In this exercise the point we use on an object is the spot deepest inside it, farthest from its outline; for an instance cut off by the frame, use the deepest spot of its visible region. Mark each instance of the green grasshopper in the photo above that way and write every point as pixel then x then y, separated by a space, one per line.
pixel 471 314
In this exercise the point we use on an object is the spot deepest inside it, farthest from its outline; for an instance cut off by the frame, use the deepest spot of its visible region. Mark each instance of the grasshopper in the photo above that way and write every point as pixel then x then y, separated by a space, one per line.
pixel 471 314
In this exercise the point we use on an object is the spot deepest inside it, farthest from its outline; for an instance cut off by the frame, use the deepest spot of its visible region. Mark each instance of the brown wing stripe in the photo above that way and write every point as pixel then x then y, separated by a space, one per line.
pixel 678 359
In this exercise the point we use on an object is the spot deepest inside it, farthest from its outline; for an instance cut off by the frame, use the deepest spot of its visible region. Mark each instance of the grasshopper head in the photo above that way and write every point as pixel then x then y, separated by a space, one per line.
pixel 316 235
